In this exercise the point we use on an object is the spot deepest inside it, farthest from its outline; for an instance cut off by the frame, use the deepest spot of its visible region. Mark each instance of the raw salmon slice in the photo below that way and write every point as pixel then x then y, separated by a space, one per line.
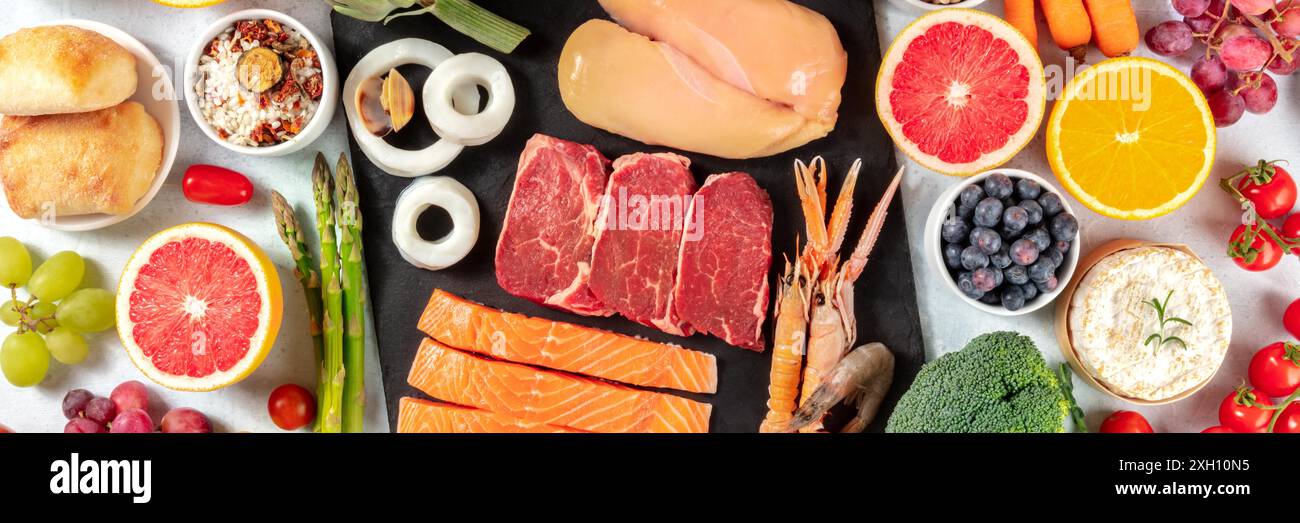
pixel 417 416
pixel 564 346
pixel 552 398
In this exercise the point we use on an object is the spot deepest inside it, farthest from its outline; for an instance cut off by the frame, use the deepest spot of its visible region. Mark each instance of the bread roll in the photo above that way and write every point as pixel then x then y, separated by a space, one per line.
pixel 63 69
pixel 83 163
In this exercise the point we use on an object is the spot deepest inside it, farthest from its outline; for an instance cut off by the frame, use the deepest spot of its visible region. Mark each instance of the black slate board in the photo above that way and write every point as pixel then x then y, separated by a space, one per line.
pixel 886 299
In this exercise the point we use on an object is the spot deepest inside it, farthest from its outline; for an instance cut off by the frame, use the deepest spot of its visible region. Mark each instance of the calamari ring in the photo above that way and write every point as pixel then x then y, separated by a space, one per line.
pixel 393 160
pixel 468 71
pixel 450 195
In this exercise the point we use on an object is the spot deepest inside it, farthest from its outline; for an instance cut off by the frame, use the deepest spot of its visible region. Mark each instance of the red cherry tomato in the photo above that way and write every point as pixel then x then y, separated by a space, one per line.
pixel 216 186
pixel 1275 369
pixel 1291 230
pixel 1125 421
pixel 1289 421
pixel 1238 415
pixel 1271 189
pixel 1291 320
pixel 5 430
pixel 1265 252
pixel 292 407
pixel 1218 429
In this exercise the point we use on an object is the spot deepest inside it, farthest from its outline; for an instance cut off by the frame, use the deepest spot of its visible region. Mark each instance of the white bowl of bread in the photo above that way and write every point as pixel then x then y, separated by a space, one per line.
pixel 90 126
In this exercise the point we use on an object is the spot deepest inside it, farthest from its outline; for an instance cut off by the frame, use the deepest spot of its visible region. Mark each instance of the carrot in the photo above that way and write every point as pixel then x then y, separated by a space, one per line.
pixel 1115 26
pixel 1068 22
pixel 1020 14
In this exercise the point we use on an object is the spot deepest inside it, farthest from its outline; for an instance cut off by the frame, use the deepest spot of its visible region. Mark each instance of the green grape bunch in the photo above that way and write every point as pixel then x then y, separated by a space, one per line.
pixel 53 322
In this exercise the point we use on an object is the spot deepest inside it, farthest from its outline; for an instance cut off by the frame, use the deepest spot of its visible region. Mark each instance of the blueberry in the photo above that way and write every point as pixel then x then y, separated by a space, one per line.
pixel 1000 259
pixel 985 279
pixel 1031 290
pixel 952 255
pixel 954 229
pixel 1034 210
pixel 970 195
pixel 967 286
pixel 1015 219
pixel 973 258
pixel 998 276
pixel 998 186
pixel 991 298
pixel 988 213
pixel 1016 274
pixel 1062 245
pixel 1064 227
pixel 966 212
pixel 1047 286
pixel 1013 298
pixel 988 241
pixel 1054 256
pixel 1023 252
pixel 1051 203
pixel 1028 189
pixel 1041 270
pixel 1042 240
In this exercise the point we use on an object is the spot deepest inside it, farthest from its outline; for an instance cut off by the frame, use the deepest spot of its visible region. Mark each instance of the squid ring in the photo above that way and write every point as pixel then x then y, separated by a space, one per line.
pixel 450 195
pixel 463 71
pixel 393 160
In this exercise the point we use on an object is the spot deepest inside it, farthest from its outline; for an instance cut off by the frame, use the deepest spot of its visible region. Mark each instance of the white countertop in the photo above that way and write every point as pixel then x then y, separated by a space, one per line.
pixel 1258 299
pixel 170 34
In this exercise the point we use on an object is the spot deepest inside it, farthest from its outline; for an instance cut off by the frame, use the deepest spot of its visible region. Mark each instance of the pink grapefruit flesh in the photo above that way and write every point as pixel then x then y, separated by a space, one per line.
pixel 960 91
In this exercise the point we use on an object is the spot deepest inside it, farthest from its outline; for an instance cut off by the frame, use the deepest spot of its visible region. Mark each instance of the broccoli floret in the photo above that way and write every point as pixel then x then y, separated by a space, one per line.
pixel 998 383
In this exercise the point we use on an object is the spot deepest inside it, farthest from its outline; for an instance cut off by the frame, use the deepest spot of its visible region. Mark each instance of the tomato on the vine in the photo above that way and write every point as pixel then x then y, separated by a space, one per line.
pixel 1289 421
pixel 291 406
pixel 1275 369
pixel 1270 188
pixel 216 185
pixel 1291 320
pixel 1240 411
pixel 1291 230
pixel 1254 249
pixel 1125 421
pixel 1217 429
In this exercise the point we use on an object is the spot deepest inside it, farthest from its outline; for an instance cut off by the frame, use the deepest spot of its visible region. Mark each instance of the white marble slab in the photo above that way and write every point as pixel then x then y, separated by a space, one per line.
pixel 1258 300
pixel 170 33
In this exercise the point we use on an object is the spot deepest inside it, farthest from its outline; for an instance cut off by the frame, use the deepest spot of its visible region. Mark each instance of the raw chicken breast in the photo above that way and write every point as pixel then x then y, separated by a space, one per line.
pixel 627 84
pixel 775 49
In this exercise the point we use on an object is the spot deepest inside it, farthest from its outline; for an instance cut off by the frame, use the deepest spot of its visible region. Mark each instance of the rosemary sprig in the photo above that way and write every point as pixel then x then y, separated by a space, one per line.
pixel 1159 337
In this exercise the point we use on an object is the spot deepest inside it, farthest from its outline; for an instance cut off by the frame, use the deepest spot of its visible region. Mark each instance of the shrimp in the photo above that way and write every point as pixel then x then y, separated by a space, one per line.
pixel 791 314
pixel 863 377
pixel 833 324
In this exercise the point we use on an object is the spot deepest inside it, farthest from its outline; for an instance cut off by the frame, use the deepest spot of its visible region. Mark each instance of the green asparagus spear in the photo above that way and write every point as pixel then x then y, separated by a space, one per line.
pixel 332 324
pixel 286 223
pixel 354 296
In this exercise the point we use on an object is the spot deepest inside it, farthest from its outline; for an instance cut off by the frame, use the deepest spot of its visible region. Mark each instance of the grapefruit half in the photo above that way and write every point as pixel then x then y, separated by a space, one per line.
pixel 198 307
pixel 961 91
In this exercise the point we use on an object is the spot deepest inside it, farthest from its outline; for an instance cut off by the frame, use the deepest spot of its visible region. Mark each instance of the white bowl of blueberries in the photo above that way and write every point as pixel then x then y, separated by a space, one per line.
pixel 1005 241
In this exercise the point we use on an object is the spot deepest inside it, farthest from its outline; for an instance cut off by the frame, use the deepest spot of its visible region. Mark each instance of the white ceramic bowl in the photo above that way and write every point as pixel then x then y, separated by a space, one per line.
pixel 152 78
pixel 934 244
pixel 927 6
pixel 329 97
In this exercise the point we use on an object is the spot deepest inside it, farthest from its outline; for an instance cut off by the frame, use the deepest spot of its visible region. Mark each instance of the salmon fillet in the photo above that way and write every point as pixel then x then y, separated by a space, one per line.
pixel 417 416
pixel 564 346
pixel 551 398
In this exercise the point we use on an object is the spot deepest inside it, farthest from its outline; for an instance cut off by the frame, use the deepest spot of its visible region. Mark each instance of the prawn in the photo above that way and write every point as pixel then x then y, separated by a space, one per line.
pixel 791 314
pixel 863 378
pixel 833 324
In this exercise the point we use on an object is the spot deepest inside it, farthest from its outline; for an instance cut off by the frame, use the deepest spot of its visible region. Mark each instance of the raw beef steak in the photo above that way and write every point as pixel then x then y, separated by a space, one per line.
pixel 722 284
pixel 545 248
pixel 638 234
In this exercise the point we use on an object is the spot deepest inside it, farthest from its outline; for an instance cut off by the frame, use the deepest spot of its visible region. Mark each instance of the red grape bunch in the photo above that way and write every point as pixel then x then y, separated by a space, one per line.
pixel 1244 40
